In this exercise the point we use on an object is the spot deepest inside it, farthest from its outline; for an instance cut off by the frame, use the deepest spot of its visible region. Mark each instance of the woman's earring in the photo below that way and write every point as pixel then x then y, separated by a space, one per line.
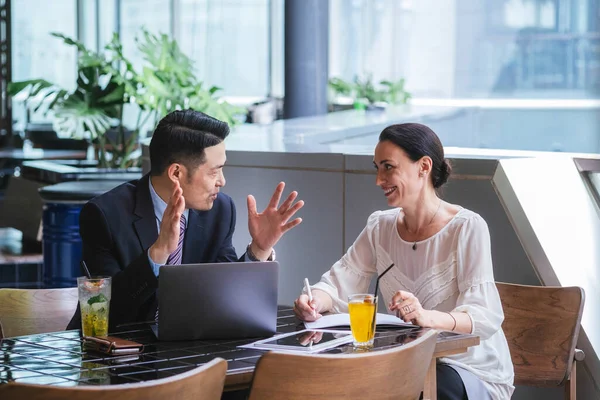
pixel 421 174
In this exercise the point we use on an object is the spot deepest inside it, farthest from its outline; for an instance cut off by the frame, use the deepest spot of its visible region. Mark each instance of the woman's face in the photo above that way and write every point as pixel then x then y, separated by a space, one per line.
pixel 397 175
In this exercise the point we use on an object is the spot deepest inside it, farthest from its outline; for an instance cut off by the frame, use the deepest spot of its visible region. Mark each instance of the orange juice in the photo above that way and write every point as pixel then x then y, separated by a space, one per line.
pixel 362 322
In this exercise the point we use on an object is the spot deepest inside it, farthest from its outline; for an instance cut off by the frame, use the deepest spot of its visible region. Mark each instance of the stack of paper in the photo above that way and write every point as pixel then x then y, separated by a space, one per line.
pixel 343 320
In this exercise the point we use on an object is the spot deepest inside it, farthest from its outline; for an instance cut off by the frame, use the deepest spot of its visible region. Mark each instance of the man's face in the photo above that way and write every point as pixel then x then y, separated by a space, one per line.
pixel 201 185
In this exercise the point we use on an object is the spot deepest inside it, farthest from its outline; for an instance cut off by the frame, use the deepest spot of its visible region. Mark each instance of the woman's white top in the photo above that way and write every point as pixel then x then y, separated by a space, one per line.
pixel 450 271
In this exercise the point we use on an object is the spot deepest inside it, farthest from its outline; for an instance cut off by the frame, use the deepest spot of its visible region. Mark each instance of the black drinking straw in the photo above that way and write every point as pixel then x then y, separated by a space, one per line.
pixel 381 276
pixel 85 269
pixel 376 289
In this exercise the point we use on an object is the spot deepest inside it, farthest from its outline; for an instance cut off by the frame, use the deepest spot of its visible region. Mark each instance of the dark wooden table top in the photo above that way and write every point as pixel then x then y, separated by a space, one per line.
pixel 40 154
pixel 58 358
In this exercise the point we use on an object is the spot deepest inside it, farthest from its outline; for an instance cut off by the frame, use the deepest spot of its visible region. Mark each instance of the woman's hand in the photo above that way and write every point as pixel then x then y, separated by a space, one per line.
pixel 307 310
pixel 409 308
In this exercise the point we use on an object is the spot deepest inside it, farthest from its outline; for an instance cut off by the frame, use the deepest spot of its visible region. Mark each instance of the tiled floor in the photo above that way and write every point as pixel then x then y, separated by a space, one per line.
pixel 20 265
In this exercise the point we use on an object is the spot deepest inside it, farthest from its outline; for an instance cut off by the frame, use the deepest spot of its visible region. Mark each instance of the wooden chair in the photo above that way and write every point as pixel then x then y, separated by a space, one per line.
pixel 541 325
pixel 30 311
pixel 202 383
pixel 398 373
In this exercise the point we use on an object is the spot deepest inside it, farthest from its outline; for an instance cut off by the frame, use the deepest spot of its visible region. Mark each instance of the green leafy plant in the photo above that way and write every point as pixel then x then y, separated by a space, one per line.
pixel 104 84
pixel 341 87
pixel 107 81
pixel 169 82
pixel 394 92
pixel 365 93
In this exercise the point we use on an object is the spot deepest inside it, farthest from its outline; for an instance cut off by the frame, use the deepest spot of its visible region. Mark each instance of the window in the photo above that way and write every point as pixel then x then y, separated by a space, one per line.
pixel 471 48
pixel 154 15
pixel 37 54
pixel 227 39
pixel 504 74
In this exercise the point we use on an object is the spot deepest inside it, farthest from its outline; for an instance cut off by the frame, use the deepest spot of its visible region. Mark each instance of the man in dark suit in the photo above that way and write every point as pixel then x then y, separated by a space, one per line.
pixel 174 215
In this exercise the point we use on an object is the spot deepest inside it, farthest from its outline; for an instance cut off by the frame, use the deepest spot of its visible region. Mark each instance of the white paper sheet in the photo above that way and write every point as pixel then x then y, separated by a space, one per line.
pixel 331 320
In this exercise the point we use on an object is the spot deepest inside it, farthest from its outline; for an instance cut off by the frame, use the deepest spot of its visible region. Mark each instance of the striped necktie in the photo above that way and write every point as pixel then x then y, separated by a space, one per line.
pixel 176 256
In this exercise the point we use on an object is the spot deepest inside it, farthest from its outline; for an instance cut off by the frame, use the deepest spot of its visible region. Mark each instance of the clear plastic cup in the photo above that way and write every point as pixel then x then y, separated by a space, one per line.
pixel 94 301
pixel 362 309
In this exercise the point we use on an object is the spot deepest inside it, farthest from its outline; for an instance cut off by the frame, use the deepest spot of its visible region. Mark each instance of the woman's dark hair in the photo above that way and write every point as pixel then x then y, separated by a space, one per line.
pixel 417 141
pixel 181 137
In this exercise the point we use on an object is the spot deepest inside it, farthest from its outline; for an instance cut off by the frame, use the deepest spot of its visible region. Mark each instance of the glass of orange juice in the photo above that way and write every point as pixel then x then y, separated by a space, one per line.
pixel 362 309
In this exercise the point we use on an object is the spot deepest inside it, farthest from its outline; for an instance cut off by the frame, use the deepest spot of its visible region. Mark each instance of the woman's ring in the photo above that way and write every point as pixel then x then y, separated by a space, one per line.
pixel 406 309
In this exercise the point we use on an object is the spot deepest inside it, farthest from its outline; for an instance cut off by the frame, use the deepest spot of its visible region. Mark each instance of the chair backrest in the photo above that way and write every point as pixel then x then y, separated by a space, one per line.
pixel 397 373
pixel 541 325
pixel 202 383
pixel 30 311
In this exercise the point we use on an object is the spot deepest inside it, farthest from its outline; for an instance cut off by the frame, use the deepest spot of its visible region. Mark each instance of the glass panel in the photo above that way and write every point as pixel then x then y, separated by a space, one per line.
pixel 36 54
pixel 228 40
pixel 368 37
pixel 503 74
pixel 471 48
pixel 154 15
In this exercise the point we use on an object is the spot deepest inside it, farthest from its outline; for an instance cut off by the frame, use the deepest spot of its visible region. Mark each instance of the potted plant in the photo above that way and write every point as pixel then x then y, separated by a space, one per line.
pixel 364 94
pixel 168 82
pixel 107 82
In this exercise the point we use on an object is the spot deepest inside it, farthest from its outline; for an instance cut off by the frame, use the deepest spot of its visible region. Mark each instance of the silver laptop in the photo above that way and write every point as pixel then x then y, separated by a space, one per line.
pixel 217 301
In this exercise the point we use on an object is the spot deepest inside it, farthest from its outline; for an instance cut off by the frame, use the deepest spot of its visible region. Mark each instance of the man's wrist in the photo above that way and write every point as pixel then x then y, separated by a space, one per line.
pixel 256 254
pixel 157 255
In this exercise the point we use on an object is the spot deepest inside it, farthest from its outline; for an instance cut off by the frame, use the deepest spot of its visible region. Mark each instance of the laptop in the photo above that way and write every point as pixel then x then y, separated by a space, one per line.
pixel 217 301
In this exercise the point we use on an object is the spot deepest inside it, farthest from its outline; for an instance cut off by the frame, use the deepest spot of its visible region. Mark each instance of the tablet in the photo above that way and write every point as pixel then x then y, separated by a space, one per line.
pixel 305 341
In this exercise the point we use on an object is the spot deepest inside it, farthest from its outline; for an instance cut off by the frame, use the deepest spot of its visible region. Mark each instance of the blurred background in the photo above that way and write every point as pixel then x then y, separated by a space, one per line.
pixel 508 64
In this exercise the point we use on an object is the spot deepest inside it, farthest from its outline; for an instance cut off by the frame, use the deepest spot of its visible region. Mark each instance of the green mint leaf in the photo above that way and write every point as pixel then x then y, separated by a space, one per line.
pixel 97 299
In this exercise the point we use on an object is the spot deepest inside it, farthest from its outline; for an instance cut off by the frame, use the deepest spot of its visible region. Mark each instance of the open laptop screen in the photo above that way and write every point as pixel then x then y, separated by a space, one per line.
pixel 218 301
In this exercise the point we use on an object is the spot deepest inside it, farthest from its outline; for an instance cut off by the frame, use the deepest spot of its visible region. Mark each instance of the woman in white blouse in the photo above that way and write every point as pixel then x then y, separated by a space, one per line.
pixel 443 275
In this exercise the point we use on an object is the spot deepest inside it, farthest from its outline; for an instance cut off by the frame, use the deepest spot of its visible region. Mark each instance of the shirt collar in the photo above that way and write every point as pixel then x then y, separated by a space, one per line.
pixel 160 205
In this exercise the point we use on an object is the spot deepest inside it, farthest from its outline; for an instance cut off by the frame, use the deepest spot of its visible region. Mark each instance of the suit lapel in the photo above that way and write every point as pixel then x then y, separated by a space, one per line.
pixel 145 222
pixel 194 243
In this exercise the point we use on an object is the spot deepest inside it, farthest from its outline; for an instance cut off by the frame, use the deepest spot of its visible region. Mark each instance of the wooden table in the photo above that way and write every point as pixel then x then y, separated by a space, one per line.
pixel 58 358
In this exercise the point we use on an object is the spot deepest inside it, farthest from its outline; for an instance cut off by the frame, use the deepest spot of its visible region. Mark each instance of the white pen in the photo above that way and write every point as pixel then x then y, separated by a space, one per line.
pixel 309 293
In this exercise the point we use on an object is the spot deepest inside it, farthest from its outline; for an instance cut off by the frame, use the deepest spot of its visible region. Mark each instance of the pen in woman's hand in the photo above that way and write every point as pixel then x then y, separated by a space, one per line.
pixel 310 297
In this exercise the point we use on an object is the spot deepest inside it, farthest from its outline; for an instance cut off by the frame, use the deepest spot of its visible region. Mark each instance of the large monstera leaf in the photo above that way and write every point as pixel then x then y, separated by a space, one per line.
pixel 79 120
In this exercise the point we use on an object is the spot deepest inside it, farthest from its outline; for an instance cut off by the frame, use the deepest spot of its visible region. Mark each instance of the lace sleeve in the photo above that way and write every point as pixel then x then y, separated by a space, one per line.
pixel 353 272
pixel 478 296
